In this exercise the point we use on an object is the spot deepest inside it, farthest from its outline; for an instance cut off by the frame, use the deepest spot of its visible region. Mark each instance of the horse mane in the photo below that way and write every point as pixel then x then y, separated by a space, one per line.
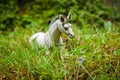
pixel 56 18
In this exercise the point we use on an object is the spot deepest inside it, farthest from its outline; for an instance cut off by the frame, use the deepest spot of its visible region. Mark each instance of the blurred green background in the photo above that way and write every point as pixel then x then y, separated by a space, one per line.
pixel 35 13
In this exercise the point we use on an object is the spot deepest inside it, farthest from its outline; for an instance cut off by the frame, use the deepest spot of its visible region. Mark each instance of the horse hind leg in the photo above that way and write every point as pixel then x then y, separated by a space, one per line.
pixel 47 52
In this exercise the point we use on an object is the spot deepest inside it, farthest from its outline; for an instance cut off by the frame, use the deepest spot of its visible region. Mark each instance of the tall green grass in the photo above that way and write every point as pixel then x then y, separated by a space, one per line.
pixel 99 49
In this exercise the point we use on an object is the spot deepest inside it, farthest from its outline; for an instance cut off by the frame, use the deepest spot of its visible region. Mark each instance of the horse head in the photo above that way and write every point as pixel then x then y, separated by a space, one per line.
pixel 65 26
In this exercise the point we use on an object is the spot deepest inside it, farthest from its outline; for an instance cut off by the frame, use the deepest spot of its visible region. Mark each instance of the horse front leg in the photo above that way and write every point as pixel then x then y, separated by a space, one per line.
pixel 60 49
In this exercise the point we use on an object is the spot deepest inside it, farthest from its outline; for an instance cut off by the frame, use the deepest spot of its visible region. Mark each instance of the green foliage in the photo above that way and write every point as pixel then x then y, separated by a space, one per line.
pixel 28 13
pixel 9 10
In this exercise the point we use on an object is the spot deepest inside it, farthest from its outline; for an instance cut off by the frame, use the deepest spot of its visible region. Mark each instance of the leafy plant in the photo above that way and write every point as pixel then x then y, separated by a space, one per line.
pixel 38 12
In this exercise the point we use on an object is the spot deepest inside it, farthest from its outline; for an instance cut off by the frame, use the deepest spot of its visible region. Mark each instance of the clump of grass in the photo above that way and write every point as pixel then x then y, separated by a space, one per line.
pixel 99 48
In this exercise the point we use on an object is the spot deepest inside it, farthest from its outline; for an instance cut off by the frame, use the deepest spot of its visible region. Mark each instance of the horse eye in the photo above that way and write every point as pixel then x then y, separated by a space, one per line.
pixel 66 28
pixel 62 24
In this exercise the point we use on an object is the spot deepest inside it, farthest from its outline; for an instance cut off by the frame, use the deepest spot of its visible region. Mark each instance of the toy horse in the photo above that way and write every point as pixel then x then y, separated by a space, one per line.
pixel 53 36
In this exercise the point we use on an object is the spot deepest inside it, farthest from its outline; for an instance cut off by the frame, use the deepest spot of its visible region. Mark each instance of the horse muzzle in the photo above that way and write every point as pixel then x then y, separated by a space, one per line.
pixel 71 35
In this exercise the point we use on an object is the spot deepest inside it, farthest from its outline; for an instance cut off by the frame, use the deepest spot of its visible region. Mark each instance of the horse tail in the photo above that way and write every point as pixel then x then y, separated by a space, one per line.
pixel 33 37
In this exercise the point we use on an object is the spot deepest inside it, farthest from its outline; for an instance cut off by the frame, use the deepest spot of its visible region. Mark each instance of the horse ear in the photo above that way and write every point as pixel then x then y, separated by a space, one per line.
pixel 61 17
pixel 69 17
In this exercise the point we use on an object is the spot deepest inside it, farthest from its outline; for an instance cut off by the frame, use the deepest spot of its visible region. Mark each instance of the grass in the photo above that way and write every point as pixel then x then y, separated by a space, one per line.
pixel 94 54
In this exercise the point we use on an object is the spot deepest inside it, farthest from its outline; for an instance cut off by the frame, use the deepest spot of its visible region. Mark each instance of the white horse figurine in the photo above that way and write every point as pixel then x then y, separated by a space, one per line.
pixel 53 36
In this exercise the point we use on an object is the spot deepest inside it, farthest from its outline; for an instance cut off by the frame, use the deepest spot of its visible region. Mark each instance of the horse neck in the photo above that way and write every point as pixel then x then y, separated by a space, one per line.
pixel 54 32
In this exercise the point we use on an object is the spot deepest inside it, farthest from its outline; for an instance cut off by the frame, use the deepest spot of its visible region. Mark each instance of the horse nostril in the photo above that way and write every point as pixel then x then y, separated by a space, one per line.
pixel 71 35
